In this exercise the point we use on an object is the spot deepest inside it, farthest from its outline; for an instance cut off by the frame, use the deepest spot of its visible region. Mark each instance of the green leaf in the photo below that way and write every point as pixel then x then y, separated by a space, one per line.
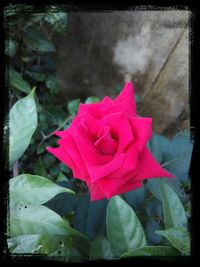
pixel 174 213
pixel 137 99
pixel 152 251
pixel 16 80
pixel 74 255
pixel 37 76
pixel 38 219
pixel 24 244
pixel 151 226
pixel 52 84
pixel 36 244
pixel 154 188
pixel 100 248
pixel 40 168
pixel 11 47
pixel 58 20
pixel 63 203
pixel 62 178
pixel 91 99
pixel 124 229
pixel 73 105
pixel 37 41
pixel 22 124
pixel 135 198
pixel 178 237
pixel 33 189
pixel 178 155
pixel 158 145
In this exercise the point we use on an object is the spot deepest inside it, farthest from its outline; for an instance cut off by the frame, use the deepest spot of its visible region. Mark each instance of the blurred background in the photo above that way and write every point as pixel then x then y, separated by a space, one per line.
pixel 101 51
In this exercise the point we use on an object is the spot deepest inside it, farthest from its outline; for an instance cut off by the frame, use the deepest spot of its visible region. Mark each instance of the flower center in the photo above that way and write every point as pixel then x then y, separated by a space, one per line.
pixel 106 143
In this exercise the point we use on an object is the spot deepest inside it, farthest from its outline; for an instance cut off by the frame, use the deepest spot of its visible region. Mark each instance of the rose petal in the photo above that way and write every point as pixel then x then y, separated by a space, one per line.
pixel 110 187
pixel 106 144
pixel 127 94
pixel 64 157
pixel 142 129
pixel 95 192
pixel 150 168
pixel 99 171
pixel 69 145
pixel 60 133
pixel 120 126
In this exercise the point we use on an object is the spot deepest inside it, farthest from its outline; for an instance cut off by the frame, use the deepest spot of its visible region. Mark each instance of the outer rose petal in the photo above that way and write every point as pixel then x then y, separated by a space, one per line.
pixel 142 129
pixel 63 156
pixel 110 186
pixel 127 94
pixel 150 168
pixel 68 144
pixel 124 102
pixel 95 192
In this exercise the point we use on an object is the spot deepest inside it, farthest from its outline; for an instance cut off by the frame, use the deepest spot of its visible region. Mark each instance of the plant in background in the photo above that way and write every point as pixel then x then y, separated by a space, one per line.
pixel 49 211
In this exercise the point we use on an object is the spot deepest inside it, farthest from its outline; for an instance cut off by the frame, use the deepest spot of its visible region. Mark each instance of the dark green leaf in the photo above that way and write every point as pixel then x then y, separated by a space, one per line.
pixel 174 213
pixel 64 168
pixel 178 155
pixel 74 255
pixel 22 124
pixel 151 227
pixel 37 76
pixel 152 251
pixel 11 47
pixel 16 80
pixel 179 238
pixel 73 106
pixel 158 145
pixel 153 186
pixel 135 198
pixel 52 84
pixel 124 229
pixel 154 208
pixel 100 248
pixel 62 178
pixel 37 41
pixel 63 203
pixel 89 215
pixel 39 168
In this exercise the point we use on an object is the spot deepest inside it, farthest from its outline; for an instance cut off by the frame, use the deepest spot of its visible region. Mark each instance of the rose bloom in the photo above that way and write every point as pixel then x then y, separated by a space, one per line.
pixel 105 146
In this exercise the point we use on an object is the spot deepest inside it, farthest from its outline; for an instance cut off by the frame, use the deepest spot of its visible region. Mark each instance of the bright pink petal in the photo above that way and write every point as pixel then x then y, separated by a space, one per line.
pixel 150 168
pixel 64 157
pixel 121 129
pixel 106 144
pixel 107 101
pixel 127 94
pixel 60 133
pixel 95 192
pixel 68 144
pixel 142 129
pixel 98 171
pixel 111 187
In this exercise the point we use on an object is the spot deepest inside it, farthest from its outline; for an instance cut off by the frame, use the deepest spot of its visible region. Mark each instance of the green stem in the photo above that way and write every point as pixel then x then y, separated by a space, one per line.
pixel 170 161
pixel 57 129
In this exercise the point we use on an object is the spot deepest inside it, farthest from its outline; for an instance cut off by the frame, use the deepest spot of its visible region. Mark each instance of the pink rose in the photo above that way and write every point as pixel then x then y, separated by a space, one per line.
pixel 105 146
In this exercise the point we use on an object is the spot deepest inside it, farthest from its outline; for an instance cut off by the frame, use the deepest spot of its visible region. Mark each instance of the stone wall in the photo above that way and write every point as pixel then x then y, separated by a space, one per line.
pixel 103 50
